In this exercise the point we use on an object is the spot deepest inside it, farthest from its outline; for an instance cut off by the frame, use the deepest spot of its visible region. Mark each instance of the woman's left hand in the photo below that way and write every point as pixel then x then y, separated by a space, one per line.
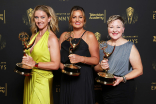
pixel 74 58
pixel 28 60
pixel 118 80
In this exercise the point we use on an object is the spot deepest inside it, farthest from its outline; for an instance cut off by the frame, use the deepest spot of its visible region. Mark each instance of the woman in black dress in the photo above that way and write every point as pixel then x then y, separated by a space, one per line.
pixel 78 89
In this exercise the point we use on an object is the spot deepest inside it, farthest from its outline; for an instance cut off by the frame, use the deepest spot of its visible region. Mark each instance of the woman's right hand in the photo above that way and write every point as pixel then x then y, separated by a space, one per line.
pixel 104 64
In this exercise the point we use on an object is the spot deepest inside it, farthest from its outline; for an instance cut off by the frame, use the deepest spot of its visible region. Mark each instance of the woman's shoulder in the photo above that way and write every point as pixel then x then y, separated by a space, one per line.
pixel 52 36
pixel 126 42
pixel 65 35
pixel 90 34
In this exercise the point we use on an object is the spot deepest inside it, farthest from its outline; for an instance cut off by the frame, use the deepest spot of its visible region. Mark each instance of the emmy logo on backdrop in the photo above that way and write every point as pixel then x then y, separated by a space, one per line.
pixel 130 17
pixel 71 69
pixel 20 67
pixel 29 14
pixel 98 36
pixel 105 77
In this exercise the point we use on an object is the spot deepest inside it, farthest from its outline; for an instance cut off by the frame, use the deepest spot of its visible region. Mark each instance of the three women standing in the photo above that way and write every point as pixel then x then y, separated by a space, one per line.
pixel 125 63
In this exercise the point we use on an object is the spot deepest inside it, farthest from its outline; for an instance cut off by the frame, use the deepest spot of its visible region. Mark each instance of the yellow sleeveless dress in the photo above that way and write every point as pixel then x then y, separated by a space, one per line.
pixel 38 87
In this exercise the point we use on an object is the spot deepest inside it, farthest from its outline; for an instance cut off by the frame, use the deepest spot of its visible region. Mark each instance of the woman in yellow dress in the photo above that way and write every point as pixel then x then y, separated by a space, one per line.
pixel 43 56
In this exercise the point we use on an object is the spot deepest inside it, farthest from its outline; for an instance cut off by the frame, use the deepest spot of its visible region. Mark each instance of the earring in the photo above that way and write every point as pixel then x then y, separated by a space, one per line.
pixel 70 27
pixel 123 35
pixel 108 37
pixel 48 28
pixel 36 30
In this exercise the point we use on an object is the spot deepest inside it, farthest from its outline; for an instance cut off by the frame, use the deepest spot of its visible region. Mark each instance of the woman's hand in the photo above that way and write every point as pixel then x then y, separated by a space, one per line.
pixel 118 80
pixel 104 64
pixel 74 58
pixel 27 60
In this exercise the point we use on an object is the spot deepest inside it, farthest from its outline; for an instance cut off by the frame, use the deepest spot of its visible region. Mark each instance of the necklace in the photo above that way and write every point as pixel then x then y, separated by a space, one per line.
pixel 78 35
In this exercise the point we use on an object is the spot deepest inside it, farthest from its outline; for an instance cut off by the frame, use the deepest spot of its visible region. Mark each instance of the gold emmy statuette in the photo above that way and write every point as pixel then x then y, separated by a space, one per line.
pixel 105 77
pixel 71 69
pixel 20 67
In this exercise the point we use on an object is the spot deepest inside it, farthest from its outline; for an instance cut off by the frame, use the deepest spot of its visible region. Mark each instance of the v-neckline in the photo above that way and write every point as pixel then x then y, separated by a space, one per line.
pixel 37 42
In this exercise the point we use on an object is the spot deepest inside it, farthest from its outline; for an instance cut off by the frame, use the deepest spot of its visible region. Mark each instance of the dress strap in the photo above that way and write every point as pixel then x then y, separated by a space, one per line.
pixel 83 34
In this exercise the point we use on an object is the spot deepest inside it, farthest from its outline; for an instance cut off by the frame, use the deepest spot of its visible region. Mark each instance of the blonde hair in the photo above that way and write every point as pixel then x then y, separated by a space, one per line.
pixel 75 8
pixel 52 25
pixel 115 17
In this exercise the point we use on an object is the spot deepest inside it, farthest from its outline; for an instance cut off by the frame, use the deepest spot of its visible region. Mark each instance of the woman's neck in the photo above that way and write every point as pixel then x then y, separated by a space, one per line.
pixel 78 32
pixel 116 42
pixel 41 32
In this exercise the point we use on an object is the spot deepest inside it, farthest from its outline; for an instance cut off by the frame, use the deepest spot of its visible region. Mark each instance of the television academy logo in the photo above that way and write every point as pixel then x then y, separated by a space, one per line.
pixel 130 17
pixel 100 16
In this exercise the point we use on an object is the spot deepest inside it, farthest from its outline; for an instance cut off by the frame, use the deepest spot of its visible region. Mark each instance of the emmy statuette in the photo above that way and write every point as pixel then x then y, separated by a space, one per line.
pixel 71 69
pixel 20 67
pixel 104 77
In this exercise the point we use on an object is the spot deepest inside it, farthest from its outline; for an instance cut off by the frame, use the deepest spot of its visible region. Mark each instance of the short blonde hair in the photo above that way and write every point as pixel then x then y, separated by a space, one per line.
pixel 53 24
pixel 75 8
pixel 115 17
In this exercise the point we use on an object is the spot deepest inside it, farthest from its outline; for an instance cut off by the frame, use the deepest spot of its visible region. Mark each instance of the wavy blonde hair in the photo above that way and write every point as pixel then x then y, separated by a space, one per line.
pixel 52 25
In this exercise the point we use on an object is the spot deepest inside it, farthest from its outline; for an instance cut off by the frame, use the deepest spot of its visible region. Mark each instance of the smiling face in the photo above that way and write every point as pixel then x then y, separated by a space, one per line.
pixel 41 19
pixel 115 29
pixel 77 20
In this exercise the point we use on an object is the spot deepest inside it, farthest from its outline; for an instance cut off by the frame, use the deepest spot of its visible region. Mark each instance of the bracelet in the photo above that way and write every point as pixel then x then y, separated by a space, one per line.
pixel 36 65
pixel 124 79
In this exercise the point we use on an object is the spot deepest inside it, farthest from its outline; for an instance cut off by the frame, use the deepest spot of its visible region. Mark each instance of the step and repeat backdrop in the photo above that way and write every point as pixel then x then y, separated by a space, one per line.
pixel 140 28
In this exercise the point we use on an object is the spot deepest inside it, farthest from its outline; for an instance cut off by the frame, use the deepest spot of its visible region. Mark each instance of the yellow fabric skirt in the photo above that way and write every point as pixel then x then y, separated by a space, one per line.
pixel 38 88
